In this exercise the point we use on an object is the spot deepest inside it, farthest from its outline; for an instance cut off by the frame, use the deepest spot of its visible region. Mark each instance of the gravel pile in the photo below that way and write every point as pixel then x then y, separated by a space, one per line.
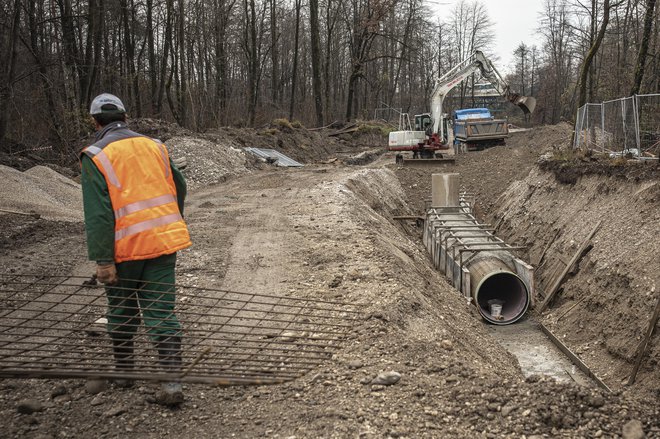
pixel 40 190
pixel 207 162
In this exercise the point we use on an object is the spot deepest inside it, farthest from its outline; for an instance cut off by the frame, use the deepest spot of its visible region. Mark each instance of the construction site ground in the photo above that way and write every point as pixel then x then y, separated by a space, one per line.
pixel 326 231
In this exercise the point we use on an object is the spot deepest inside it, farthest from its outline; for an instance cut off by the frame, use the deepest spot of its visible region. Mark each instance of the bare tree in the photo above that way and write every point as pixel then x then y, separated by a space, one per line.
pixel 586 64
pixel 294 73
pixel 472 30
pixel 316 59
pixel 643 47
pixel 8 74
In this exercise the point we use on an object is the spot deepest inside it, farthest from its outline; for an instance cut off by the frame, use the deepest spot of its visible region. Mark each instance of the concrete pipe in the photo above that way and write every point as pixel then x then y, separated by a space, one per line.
pixel 493 284
pixel 466 250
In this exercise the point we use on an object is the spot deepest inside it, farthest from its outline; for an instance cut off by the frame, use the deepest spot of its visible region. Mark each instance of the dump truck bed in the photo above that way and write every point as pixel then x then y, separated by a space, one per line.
pixel 475 130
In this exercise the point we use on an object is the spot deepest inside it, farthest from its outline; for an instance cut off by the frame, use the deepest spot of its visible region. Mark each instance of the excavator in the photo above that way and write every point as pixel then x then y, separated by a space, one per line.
pixel 431 129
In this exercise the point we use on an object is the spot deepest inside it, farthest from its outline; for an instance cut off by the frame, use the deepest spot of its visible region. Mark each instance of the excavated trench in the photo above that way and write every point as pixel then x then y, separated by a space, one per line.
pixel 494 279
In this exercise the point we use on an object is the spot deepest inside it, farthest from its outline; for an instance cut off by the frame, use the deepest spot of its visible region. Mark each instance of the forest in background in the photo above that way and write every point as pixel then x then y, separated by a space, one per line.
pixel 211 63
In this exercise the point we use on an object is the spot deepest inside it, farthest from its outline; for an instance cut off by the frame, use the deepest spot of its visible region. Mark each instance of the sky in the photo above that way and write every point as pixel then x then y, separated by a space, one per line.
pixel 514 21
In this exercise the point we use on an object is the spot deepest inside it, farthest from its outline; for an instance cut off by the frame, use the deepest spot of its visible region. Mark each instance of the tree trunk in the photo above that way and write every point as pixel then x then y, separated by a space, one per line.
pixel 352 83
pixel 8 74
pixel 167 43
pixel 220 61
pixel 643 48
pixel 151 54
pixel 251 43
pixel 183 90
pixel 316 59
pixel 274 53
pixel 129 47
pixel 294 73
pixel 584 71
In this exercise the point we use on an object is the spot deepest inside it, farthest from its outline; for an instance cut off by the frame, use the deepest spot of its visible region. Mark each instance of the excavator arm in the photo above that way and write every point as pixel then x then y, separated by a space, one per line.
pixel 476 62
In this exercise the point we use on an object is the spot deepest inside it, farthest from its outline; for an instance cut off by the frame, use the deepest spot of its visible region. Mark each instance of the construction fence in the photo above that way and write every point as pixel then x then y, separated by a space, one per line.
pixel 626 126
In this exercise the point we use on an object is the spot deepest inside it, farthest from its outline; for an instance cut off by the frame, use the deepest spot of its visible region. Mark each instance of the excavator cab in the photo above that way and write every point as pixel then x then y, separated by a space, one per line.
pixel 423 122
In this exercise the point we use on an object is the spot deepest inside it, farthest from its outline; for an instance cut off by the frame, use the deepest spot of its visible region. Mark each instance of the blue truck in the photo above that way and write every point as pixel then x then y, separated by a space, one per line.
pixel 477 129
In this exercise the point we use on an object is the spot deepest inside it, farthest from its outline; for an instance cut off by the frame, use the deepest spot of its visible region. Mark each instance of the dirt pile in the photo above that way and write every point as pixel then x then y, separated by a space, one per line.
pixel 42 191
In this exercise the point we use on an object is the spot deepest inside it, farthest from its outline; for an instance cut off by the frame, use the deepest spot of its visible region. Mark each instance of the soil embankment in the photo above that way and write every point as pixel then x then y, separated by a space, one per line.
pixel 604 307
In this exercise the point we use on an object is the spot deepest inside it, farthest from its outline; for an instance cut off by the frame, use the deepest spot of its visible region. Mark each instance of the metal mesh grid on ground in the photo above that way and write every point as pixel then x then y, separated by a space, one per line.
pixel 49 327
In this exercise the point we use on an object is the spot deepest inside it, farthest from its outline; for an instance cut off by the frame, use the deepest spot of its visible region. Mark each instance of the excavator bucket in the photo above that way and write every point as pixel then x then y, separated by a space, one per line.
pixel 526 103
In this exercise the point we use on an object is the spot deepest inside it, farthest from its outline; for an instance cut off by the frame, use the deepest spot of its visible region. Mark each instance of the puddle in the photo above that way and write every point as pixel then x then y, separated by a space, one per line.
pixel 536 353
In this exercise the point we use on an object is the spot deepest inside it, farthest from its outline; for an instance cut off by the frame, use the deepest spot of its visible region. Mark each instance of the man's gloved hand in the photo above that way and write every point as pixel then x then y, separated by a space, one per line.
pixel 106 274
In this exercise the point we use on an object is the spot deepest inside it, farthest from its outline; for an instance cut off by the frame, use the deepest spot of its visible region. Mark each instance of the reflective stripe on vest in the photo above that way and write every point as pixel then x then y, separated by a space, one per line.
pixel 166 164
pixel 145 204
pixel 107 166
pixel 146 225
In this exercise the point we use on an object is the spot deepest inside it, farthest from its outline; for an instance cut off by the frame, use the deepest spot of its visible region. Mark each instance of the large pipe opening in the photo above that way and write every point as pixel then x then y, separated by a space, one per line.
pixel 502 288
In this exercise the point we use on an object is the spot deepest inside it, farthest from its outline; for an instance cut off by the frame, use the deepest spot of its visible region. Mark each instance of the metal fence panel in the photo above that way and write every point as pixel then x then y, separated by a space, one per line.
pixel 648 107
pixel 620 126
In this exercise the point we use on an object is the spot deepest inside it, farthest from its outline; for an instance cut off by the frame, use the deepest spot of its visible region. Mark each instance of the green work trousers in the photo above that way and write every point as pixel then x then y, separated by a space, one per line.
pixel 145 287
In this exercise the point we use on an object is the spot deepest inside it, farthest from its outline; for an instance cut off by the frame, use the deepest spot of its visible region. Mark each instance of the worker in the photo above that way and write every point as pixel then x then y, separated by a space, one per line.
pixel 133 201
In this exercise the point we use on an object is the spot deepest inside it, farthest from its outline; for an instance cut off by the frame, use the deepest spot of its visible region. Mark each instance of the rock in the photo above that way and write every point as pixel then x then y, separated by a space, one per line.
pixel 94 386
pixel 387 378
pixel 97 328
pixel 98 400
pixel 365 380
pixel 58 391
pixel 452 379
pixel 533 378
pixel 633 430
pixel 377 387
pixel 447 345
pixel 355 364
pixel 114 411
pixel 334 283
pixel 596 401
pixel 29 406
pixel 507 409
pixel 62 399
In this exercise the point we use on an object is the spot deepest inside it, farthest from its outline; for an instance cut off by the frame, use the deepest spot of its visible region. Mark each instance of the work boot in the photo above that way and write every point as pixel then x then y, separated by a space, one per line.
pixel 124 361
pixel 169 356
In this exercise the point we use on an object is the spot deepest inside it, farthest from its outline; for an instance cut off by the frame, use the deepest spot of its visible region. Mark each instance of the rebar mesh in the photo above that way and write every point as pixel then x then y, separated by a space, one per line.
pixel 53 326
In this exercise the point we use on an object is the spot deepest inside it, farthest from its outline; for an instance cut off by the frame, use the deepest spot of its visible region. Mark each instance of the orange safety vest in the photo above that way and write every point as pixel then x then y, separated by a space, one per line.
pixel 137 170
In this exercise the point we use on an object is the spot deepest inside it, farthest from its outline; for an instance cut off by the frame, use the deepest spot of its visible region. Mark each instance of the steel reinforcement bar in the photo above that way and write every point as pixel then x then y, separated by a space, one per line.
pixel 55 326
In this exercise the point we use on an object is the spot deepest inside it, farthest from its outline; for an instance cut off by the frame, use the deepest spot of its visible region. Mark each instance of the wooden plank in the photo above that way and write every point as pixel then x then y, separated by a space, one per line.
pixel 547 247
pixel 574 358
pixel 15 212
pixel 645 342
pixel 560 280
